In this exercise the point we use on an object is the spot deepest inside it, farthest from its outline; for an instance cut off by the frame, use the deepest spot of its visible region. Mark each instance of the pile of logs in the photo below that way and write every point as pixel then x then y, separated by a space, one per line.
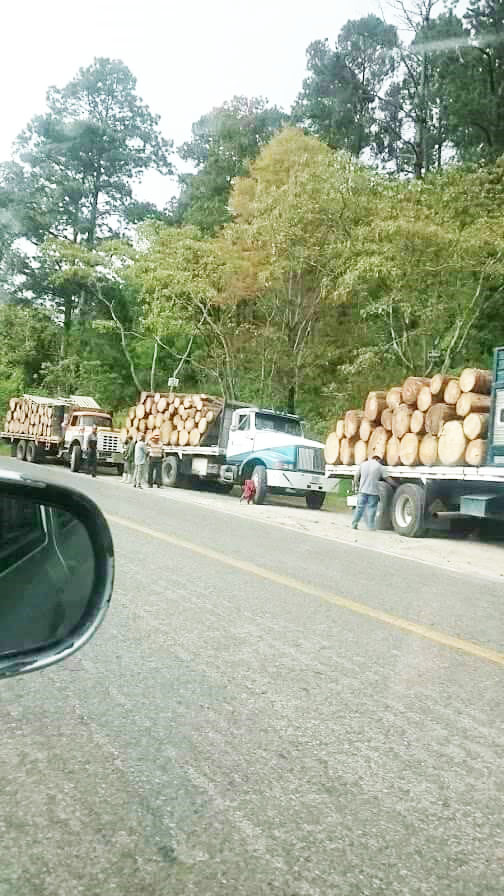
pixel 176 419
pixel 28 417
pixel 441 420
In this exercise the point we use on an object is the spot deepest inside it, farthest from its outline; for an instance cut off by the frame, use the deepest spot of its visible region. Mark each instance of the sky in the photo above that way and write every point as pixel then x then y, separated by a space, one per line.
pixel 187 55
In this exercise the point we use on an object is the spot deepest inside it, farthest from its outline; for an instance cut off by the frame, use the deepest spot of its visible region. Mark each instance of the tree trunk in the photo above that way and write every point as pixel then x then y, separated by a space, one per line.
pixel 476 426
pixel 474 380
pixel 332 449
pixel 437 415
pixel 452 444
pixel 428 450
pixel 476 452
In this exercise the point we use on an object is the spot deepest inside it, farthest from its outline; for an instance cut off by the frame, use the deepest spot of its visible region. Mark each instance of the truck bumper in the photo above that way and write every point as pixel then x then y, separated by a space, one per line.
pixel 112 457
pixel 300 483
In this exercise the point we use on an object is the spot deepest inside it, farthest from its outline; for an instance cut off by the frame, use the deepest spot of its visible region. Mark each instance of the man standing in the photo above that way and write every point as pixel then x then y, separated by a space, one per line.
pixel 129 460
pixel 91 452
pixel 155 460
pixel 369 475
pixel 139 462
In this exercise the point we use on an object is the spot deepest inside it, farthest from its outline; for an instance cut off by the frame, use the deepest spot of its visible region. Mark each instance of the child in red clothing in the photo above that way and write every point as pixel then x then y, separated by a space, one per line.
pixel 249 490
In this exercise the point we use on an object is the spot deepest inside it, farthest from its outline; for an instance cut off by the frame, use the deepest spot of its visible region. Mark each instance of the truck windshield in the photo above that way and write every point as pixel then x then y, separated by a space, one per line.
pixel 289 425
pixel 95 420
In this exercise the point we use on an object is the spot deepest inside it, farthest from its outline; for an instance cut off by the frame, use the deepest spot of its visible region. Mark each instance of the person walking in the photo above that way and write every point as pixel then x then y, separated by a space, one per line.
pixel 139 456
pixel 129 460
pixel 367 479
pixel 92 446
pixel 155 460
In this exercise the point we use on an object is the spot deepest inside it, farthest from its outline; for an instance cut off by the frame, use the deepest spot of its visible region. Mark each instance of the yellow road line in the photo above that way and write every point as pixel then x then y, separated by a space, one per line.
pixel 405 625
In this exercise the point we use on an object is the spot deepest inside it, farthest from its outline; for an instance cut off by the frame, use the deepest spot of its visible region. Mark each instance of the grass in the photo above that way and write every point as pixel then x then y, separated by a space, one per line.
pixel 5 449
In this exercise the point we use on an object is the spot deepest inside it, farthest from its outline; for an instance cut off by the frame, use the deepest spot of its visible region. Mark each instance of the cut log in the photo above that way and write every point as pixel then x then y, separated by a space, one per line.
pixel 472 401
pixel 340 429
pixel 476 426
pixel 393 449
pixel 174 437
pixel 166 431
pixel 157 396
pixel 386 419
pixel 12 404
pixel 151 421
pixel 394 397
pixel 162 404
pixel 194 437
pixel 437 415
pixel 425 399
pixel 417 423
pixel 180 425
pixel 142 425
pixel 183 438
pixel 347 451
pixel 452 444
pixel 476 452
pixel 377 445
pixel 360 451
pixel 439 383
pixel 332 449
pixel 375 404
pixel 353 421
pixel 148 404
pixel 187 401
pixel 411 388
pixel 203 425
pixel 190 424
pixel 176 402
pixel 401 420
pixel 366 429
pixel 428 451
pixel 197 417
pixel 140 411
pixel 474 380
pixel 408 452
pixel 210 416
pixel 452 392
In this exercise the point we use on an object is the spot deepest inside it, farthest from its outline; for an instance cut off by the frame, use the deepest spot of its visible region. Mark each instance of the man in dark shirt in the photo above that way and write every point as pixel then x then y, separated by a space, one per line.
pixel 91 452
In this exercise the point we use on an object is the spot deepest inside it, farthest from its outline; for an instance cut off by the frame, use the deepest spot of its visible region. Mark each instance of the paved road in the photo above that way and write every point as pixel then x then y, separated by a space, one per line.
pixel 259 715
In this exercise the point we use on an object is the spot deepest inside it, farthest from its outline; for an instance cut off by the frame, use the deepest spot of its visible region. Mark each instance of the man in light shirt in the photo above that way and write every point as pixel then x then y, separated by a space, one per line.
pixel 140 454
pixel 368 477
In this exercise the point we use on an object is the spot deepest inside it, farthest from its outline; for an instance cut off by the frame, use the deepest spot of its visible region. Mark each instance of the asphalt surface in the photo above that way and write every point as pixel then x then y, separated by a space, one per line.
pixel 238 726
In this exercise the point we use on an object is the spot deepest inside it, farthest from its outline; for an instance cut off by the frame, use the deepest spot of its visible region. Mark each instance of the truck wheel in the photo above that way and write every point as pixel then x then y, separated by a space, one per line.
pixel 314 500
pixel 384 512
pixel 260 481
pixel 21 450
pixel 31 453
pixel 75 458
pixel 170 471
pixel 408 510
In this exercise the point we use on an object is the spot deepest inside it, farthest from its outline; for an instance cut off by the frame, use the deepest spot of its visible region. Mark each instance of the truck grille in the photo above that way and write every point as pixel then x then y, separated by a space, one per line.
pixel 310 460
pixel 109 441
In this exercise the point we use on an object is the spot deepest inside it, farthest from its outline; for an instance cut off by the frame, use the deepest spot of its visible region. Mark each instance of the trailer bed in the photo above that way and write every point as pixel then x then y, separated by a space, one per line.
pixel 465 474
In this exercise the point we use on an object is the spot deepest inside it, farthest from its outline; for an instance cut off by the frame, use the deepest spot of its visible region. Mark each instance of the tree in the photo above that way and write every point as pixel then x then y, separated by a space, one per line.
pixel 338 101
pixel 223 143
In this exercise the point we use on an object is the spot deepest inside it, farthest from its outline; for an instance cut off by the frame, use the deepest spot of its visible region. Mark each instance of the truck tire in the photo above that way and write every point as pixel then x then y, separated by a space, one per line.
pixel 260 481
pixel 32 454
pixel 21 450
pixel 314 500
pixel 408 510
pixel 170 471
pixel 384 512
pixel 75 458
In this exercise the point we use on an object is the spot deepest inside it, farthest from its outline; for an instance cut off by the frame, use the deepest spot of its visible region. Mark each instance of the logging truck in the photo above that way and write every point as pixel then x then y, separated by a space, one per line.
pixel 212 439
pixel 37 427
pixel 442 443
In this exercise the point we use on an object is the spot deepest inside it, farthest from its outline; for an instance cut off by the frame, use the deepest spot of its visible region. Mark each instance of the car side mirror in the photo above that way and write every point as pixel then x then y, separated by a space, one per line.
pixel 56 572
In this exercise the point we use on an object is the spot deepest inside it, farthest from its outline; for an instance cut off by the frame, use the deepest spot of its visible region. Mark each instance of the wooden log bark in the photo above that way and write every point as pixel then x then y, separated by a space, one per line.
pixel 411 388
pixel 476 452
pixel 472 401
pixel 353 421
pixel 386 419
pixel 366 429
pixel 472 379
pixel 428 451
pixel 393 449
pixel 452 444
pixel 437 415
pixel 377 445
pixel 360 451
pixel 401 420
pixel 375 404
pixel 476 426
pixel 332 448
pixel 417 422
pixel 347 451
pixel 452 392
pixel 409 448
pixel 439 383
pixel 394 397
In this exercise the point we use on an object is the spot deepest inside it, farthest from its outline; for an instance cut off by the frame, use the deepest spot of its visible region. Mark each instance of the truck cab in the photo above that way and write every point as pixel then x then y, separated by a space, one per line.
pixel 78 424
pixel 271 449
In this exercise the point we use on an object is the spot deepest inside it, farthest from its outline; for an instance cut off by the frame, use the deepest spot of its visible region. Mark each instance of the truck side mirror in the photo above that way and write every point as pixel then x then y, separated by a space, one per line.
pixel 56 572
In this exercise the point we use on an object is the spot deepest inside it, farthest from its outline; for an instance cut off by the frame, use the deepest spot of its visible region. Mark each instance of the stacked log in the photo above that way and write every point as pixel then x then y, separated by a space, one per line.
pixel 28 417
pixel 438 421
pixel 178 419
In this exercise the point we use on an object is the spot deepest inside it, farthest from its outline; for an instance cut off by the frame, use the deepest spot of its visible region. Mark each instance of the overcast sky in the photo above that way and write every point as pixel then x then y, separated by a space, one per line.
pixel 187 55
